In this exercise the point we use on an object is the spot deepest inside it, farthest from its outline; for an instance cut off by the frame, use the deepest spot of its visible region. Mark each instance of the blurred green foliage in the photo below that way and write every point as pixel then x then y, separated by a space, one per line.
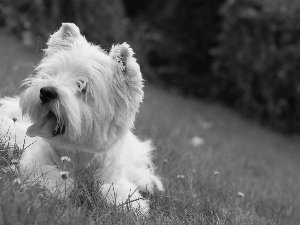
pixel 242 52
pixel 171 38
pixel 257 62
pixel 175 39
pixel 102 21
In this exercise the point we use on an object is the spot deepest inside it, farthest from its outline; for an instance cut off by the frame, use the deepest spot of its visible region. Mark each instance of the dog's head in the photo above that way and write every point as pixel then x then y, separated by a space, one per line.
pixel 81 95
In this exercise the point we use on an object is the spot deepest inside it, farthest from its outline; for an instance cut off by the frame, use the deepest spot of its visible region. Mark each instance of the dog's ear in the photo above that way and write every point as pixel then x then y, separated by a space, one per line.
pixel 64 38
pixel 128 83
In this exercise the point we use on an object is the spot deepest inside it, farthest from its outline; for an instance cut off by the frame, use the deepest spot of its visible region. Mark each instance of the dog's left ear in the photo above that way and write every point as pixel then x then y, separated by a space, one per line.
pixel 128 83
pixel 64 38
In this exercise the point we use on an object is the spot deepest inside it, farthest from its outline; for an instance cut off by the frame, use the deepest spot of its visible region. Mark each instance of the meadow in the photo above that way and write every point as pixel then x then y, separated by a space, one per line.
pixel 217 167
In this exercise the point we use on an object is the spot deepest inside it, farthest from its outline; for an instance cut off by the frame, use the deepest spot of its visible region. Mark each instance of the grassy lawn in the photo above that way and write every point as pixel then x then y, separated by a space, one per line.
pixel 218 168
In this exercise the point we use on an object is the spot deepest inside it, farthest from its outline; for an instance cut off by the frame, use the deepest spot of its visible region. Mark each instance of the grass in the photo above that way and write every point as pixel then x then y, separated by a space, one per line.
pixel 206 155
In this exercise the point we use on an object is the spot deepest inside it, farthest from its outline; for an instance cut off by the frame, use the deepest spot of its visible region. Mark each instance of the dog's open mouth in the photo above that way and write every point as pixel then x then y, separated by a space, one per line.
pixel 46 127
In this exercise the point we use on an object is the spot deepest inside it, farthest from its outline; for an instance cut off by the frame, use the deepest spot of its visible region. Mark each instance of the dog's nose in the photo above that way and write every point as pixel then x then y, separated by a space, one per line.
pixel 48 94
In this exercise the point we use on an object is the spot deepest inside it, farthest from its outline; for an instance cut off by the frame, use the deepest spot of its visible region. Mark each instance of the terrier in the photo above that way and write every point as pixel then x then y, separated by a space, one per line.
pixel 78 111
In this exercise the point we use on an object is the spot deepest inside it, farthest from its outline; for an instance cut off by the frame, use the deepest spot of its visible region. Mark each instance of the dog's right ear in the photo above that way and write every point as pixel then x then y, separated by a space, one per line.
pixel 128 83
pixel 64 38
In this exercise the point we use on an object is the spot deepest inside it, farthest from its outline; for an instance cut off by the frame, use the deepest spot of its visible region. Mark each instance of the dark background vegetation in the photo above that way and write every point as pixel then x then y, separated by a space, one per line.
pixel 244 53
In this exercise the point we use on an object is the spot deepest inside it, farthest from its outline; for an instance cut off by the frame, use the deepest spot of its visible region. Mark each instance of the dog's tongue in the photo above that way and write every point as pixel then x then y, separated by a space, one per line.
pixel 44 127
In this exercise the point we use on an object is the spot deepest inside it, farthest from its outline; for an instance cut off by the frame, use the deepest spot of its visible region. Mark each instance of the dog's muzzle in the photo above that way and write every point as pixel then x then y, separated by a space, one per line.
pixel 47 125
pixel 48 94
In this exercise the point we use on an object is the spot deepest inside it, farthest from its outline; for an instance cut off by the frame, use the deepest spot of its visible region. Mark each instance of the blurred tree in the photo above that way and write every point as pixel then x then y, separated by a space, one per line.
pixel 103 21
pixel 257 62
pixel 183 32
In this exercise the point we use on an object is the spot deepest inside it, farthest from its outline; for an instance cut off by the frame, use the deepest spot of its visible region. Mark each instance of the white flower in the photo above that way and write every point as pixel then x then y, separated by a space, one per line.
pixel 9 169
pixel 241 194
pixel 179 176
pixel 65 159
pixel 17 181
pixel 216 173
pixel 64 174
pixel 166 161
pixel 196 141
pixel 14 161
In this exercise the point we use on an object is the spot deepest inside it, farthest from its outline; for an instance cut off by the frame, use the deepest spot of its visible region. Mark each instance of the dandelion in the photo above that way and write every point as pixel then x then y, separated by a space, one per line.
pixel 65 159
pixel 17 181
pixel 8 169
pixel 241 194
pixel 15 119
pixel 180 176
pixel 15 161
pixel 64 174
pixel 216 173
pixel 87 165
pixel 196 141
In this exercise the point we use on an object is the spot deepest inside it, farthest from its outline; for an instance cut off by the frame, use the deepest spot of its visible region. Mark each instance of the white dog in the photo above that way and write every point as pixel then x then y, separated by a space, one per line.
pixel 81 103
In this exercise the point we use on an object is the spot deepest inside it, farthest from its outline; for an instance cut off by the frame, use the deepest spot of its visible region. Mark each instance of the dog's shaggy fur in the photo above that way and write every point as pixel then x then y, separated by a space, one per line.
pixel 81 103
